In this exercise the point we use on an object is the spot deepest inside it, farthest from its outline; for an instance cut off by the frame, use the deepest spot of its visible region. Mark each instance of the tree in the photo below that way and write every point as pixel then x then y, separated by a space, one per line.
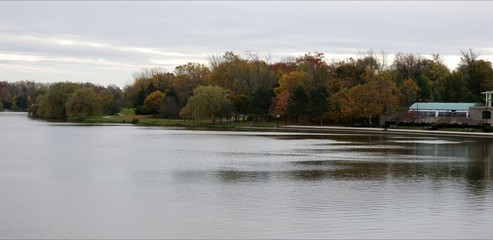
pixel 170 107
pixel 410 91
pixel 110 100
pixel 145 82
pixel 16 96
pixel 279 105
pixel 315 67
pixel 425 87
pixel 240 104
pixel 297 103
pixel 351 72
pixel 477 73
pixel 208 102
pixel 381 94
pixel 52 103
pixel 452 88
pixel 344 105
pixel 240 76
pixel 291 81
pixel 230 72
pixel 83 102
pixel 153 102
pixel 262 73
pixel 318 103
pixel 408 66
pixel 348 73
pixel 365 101
pixel 21 103
pixel 188 77
pixel 424 72
pixel 373 61
pixel 260 102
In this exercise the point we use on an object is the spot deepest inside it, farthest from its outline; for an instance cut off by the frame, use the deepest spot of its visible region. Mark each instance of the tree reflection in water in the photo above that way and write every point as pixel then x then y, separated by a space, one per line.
pixel 468 162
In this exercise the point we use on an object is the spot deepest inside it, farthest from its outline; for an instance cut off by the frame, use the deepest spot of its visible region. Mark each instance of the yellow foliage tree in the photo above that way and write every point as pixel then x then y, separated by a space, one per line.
pixel 377 95
pixel 154 101
pixel 410 91
pixel 291 80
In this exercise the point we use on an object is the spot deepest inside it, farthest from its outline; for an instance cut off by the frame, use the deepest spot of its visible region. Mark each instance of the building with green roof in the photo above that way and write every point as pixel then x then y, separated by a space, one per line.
pixel 463 113
pixel 440 109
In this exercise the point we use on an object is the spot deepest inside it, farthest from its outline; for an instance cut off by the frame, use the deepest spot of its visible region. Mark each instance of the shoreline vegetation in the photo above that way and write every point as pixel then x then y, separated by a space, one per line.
pixel 249 92
pixel 128 117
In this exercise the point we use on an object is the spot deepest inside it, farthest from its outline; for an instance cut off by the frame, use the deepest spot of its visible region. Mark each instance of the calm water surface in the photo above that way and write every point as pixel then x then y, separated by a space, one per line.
pixel 70 181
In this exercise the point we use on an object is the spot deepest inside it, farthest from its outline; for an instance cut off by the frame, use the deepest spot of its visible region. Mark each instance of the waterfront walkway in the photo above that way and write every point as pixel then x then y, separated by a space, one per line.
pixel 332 129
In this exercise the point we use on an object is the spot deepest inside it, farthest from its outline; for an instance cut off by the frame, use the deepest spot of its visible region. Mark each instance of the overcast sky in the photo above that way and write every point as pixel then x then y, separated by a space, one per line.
pixel 105 42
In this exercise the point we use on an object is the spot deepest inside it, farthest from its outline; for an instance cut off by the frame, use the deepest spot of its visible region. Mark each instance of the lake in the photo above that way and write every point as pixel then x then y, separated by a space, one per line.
pixel 60 180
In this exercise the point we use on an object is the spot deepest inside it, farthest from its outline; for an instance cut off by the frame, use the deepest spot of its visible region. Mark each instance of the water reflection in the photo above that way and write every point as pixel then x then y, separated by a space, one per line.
pixel 477 174
pixel 231 176
pixel 370 159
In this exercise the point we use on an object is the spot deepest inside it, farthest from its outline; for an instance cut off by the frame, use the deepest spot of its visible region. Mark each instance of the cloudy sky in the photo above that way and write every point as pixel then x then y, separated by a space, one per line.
pixel 105 42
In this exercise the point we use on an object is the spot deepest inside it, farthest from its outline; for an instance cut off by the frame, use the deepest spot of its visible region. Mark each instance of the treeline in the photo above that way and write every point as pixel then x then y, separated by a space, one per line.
pixel 307 88
pixel 303 89
pixel 17 96
pixel 60 101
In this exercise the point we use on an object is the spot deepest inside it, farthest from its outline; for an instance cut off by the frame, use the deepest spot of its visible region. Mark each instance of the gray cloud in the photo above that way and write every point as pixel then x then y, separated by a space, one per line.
pixel 89 41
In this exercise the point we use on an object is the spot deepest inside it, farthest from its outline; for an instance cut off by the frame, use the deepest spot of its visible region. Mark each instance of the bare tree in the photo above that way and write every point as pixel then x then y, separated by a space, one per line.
pixel 469 56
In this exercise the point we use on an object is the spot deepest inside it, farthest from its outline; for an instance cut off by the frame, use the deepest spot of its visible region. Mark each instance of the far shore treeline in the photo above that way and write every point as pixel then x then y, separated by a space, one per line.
pixel 305 89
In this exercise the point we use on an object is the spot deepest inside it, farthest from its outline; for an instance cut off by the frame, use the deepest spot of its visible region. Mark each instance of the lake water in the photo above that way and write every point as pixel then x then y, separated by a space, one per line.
pixel 61 180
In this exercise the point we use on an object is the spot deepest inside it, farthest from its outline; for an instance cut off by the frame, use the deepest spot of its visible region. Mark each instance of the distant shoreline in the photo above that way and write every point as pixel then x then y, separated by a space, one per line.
pixel 285 128
pixel 393 131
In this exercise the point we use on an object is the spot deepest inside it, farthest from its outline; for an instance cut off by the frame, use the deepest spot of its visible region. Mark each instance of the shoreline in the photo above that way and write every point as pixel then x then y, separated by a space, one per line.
pixel 392 131
pixel 291 128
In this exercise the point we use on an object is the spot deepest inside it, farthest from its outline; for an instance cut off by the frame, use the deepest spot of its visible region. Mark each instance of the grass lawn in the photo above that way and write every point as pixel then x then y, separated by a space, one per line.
pixel 127 115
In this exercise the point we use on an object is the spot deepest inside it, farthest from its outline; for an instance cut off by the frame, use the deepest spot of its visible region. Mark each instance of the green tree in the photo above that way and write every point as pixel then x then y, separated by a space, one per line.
pixel 424 72
pixel 240 105
pixel 476 73
pixel 22 103
pixel 208 102
pixel 479 78
pixel 318 103
pixel 297 103
pixel 52 103
pixel 260 103
pixel 153 102
pixel 169 108
pixel 83 102
pixel 425 87
pixel 453 88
